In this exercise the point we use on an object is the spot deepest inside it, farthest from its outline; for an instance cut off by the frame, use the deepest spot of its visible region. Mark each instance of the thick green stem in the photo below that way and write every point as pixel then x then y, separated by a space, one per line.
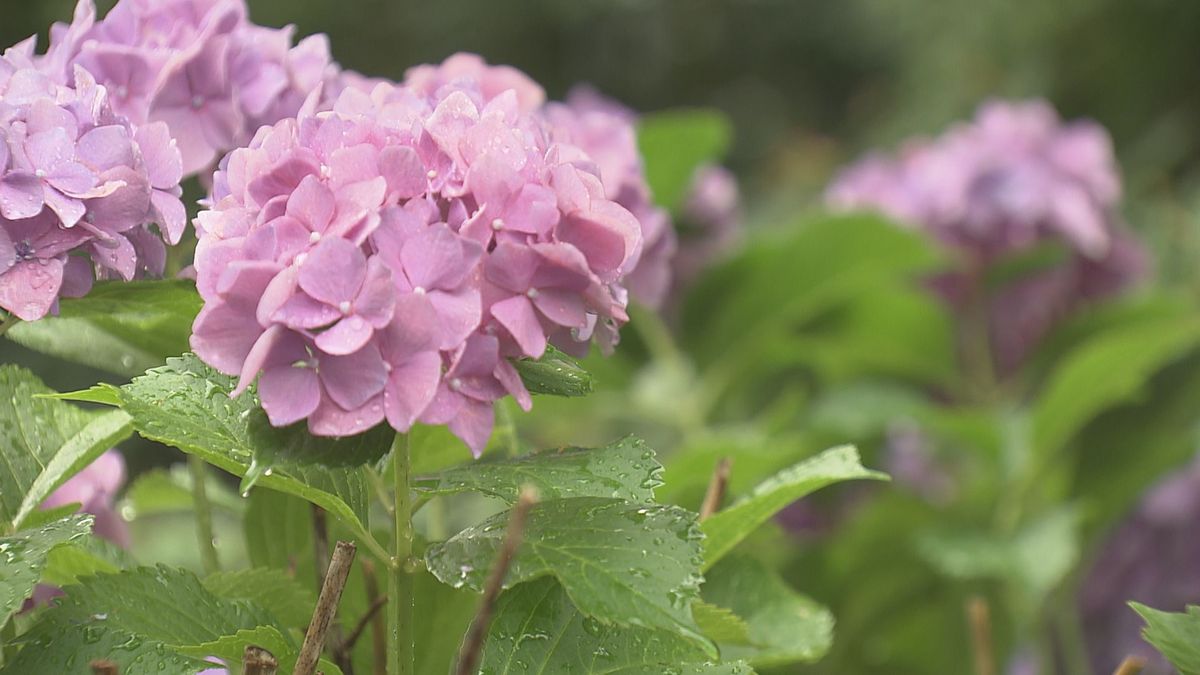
pixel 204 528
pixel 400 576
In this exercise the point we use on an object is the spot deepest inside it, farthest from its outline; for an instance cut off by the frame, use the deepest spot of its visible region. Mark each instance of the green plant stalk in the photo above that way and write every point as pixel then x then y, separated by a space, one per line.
pixel 400 576
pixel 7 322
pixel 204 528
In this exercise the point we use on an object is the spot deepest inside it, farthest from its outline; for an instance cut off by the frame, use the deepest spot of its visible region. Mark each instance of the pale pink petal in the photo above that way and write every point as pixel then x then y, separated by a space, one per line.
pixel 30 288
pixel 473 425
pixel 564 308
pixel 353 379
pixel 458 315
pixel 346 336
pixel 334 271
pixel 312 203
pixel 289 393
pixel 21 196
pixel 517 315
pixel 410 388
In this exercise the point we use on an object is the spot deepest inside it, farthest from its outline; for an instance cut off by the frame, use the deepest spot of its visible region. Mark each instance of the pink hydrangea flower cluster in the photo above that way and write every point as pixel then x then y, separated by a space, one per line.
pixel 78 186
pixel 387 258
pixel 1013 178
pixel 198 65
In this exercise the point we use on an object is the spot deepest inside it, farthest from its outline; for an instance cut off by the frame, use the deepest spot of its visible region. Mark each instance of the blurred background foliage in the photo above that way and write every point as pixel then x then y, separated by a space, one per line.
pixel 816 334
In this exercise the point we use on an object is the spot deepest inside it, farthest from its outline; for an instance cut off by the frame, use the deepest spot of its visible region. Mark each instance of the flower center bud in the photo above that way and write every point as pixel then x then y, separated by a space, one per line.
pixel 344 307
pixel 531 293
pixel 419 290
pixel 314 237
pixel 431 174
pixel 326 172
pixel 455 384
pixel 197 102
pixel 299 259
pixel 40 173
pixel 498 224
pixel 122 91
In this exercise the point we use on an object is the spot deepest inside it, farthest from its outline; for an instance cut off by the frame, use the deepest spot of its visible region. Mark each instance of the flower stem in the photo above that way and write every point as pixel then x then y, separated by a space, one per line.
pixel 8 322
pixel 204 529
pixel 400 578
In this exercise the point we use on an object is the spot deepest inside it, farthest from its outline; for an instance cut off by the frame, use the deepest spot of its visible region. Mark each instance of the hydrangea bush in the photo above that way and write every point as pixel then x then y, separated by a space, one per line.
pixel 382 279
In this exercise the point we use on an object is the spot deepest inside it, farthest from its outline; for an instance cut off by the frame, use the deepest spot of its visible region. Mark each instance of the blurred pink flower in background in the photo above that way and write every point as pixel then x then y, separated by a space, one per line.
pixel 1150 558
pixel 992 189
pixel 94 489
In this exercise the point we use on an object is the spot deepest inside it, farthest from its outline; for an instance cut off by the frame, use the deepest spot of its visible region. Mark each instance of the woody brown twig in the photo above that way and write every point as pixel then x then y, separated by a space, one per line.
pixel 1132 665
pixel 331 594
pixel 472 648
pixel 321 560
pixel 979 618
pixel 716 488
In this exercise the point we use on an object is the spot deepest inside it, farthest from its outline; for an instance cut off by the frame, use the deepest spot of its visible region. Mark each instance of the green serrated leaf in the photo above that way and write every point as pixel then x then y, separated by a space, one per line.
pixel 278 529
pixel 103 393
pixel 784 627
pixel 624 470
pixel 118 327
pixel 23 556
pixel 103 432
pixel 721 625
pixel 555 374
pixel 1175 634
pixel 42 517
pixel 84 557
pixel 674 143
pixel 285 598
pixel 629 564
pixel 136 618
pixel 230 649
pixel 1106 370
pixel 727 527
pixel 537 629
pixel 186 404
pixel 34 431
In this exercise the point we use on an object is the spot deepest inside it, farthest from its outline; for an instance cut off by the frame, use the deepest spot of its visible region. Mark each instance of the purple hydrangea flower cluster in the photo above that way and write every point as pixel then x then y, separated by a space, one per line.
pixel 386 258
pixel 79 185
pixel 1151 559
pixel 200 66
pixel 1013 178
